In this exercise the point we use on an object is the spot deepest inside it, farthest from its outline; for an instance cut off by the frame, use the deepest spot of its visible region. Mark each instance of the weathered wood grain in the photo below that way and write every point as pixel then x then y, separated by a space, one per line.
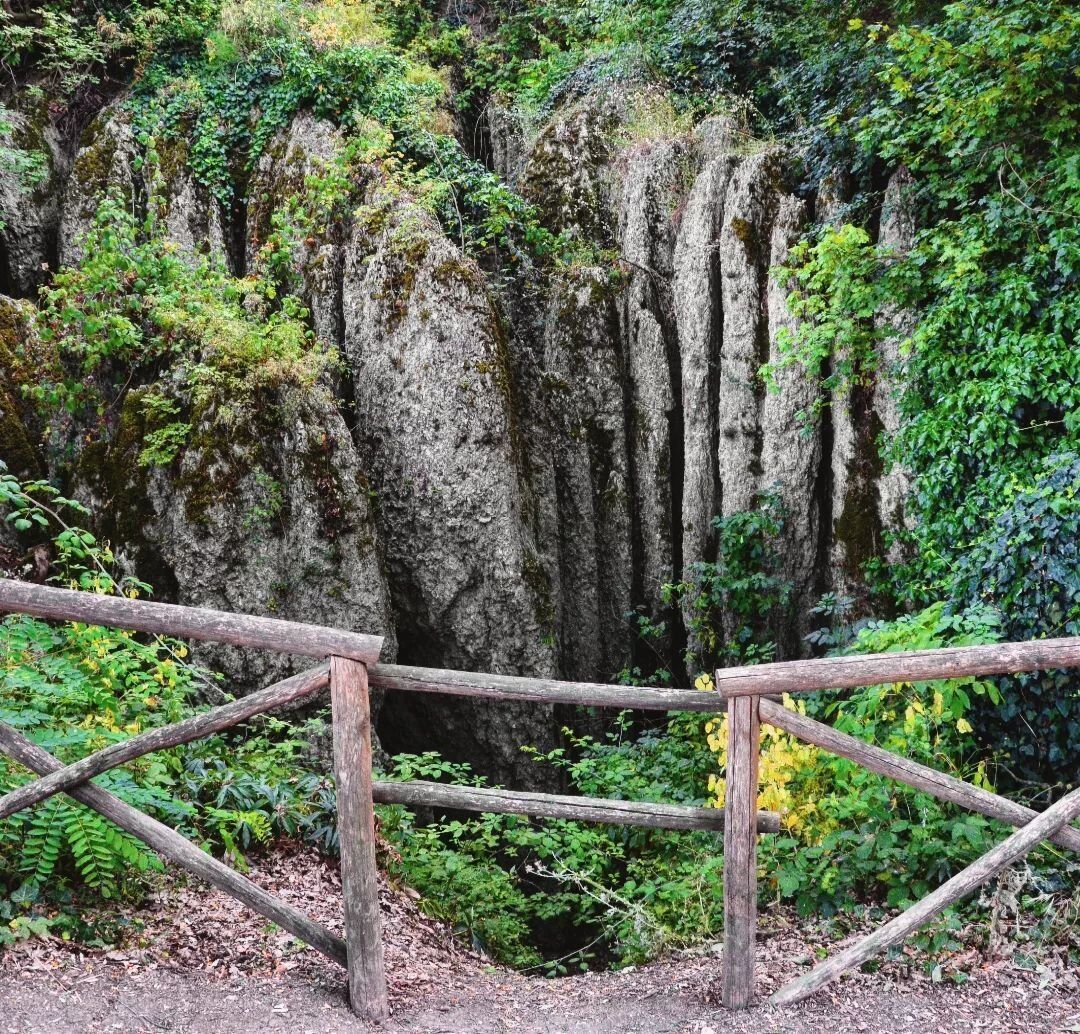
pixel 187 622
pixel 963 883
pixel 206 724
pixel 411 679
pixel 903 770
pixel 740 853
pixel 356 837
pixel 418 793
pixel 872 669
pixel 176 849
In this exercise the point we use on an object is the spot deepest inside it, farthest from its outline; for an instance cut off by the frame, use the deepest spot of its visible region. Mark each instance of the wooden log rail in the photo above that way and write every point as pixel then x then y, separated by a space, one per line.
pixel 555 806
pixel 350 666
pixel 405 678
pixel 874 669
pixel 216 626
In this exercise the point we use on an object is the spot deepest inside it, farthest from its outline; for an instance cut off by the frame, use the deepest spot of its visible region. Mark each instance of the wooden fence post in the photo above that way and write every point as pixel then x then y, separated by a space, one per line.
pixel 740 852
pixel 356 836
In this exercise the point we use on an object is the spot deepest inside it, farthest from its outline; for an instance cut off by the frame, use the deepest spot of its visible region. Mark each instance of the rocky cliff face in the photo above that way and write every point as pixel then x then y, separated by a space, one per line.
pixel 493 478
pixel 697 221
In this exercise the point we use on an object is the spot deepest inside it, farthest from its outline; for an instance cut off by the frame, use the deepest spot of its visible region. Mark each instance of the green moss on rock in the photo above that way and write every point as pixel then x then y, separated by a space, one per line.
pixel 23 360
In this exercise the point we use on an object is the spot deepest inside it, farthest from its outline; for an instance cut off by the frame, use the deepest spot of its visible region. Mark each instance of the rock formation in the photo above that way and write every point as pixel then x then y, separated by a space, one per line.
pixel 492 477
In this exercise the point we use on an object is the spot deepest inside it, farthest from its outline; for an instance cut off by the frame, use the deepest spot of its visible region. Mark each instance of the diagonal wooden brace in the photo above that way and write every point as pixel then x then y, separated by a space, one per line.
pixel 177 849
pixel 884 762
pixel 205 724
pixel 963 883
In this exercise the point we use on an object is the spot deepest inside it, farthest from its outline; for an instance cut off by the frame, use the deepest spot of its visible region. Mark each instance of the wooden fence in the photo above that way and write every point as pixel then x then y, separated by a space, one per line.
pixel 349 666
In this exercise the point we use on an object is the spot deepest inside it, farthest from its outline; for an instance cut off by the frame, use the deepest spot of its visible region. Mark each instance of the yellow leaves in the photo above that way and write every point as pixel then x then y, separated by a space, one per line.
pixel 716 738
pixel 963 725
pixel 787 782
pixel 704 683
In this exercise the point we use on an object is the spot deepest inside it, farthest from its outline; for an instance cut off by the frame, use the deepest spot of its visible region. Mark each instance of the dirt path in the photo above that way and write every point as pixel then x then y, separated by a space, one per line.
pixel 96 997
pixel 196 962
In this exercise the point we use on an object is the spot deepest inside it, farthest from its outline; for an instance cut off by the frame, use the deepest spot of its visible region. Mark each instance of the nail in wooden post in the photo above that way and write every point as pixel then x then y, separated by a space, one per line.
pixel 740 852
pixel 356 835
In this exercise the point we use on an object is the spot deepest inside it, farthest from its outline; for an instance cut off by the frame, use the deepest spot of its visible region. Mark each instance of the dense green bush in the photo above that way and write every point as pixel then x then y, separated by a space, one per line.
pixel 1027 567
pixel 733 604
pixel 337 60
pixel 983 108
pixel 68 45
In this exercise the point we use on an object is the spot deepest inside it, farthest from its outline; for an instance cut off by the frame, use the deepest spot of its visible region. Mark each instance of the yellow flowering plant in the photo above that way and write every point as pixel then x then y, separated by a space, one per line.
pixel 851 836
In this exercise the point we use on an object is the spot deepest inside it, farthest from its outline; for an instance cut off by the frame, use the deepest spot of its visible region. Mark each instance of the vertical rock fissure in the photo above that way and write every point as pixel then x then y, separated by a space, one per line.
pixel 236 219
pixel 716 339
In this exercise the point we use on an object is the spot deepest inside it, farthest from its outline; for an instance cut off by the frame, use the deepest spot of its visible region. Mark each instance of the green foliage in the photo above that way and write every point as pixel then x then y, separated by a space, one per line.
pixel 983 111
pixel 74 689
pixel 731 604
pixel 617 894
pixel 225 107
pixel 69 46
pixel 134 303
pixel 854 838
pixel 792 67
pixel 838 287
pixel 982 107
pixel 1026 566
pixel 863 838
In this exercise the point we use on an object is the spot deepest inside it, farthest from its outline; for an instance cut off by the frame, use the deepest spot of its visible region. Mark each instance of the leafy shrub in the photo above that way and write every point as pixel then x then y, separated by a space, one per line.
pixel 838 285
pixel 984 110
pixel 732 604
pixel 1027 567
pixel 134 303
pixel 851 837
pixel 223 110
pixel 74 688
pixel 70 46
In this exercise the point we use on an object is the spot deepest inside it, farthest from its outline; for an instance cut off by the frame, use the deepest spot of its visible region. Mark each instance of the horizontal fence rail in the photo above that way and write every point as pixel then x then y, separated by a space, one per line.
pixel 169 619
pixel 556 806
pixel 872 669
pixel 405 678
pixel 207 723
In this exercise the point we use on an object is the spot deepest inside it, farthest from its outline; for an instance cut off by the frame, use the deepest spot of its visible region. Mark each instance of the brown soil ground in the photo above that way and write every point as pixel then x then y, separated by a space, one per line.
pixel 196 962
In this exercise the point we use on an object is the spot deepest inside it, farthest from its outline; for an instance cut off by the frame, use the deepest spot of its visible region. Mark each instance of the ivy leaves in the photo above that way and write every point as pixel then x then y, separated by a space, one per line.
pixel 1026 566
pixel 839 287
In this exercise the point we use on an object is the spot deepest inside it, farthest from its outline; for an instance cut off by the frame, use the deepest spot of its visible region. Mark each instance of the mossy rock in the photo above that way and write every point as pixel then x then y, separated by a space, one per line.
pixel 24 358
